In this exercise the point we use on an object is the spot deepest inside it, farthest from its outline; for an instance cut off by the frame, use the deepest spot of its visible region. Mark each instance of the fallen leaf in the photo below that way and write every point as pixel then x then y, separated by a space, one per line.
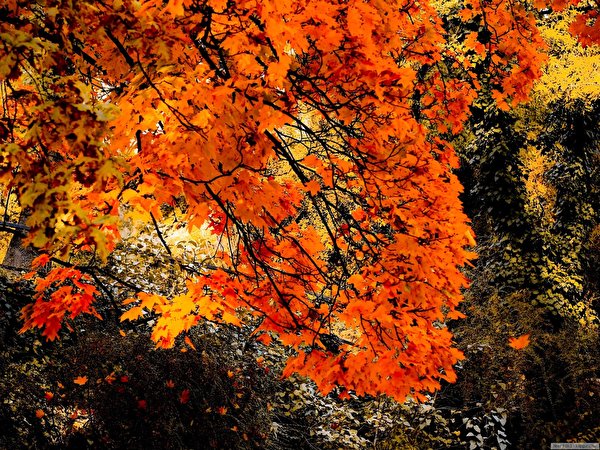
pixel 519 343
pixel 188 341
pixel 80 380
pixel 184 397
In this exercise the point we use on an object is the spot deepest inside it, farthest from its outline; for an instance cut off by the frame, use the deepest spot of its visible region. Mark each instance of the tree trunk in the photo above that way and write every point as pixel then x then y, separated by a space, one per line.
pixel 17 255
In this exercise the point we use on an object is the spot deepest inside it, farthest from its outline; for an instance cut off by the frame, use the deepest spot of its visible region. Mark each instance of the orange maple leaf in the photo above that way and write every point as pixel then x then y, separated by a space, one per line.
pixel 80 380
pixel 264 339
pixel 313 187
pixel 519 343
pixel 39 413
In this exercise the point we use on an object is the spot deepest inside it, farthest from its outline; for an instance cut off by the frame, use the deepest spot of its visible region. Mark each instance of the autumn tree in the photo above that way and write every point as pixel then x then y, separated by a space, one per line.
pixel 311 137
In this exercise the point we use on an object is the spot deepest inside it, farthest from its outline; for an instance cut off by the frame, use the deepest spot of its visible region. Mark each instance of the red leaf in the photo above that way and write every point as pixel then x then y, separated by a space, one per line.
pixel 184 397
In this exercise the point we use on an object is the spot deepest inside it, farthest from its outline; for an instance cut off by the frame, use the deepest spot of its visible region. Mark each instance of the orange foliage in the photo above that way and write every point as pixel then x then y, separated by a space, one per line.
pixel 61 291
pixel 345 220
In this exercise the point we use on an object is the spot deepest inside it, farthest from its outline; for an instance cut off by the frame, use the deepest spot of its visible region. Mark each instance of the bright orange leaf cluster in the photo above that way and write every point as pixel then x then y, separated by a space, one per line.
pixel 310 135
pixel 61 291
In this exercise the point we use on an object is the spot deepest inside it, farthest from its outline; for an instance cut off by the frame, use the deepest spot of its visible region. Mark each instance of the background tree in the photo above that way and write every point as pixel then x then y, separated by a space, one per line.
pixel 531 183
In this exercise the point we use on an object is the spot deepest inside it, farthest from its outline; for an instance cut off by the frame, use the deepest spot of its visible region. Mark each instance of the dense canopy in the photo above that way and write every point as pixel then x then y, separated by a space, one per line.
pixel 311 137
